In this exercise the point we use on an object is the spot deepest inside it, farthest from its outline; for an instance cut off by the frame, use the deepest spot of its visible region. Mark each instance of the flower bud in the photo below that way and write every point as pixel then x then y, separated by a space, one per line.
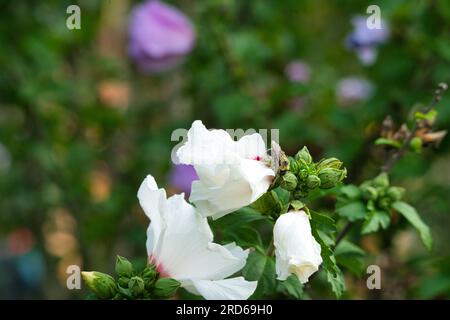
pixel 149 275
pixel 136 286
pixel 304 155
pixel 381 181
pixel 395 193
pixel 369 192
pixel 385 203
pixel 123 267
pixel 329 177
pixel 123 282
pixel 329 163
pixel 165 287
pixel 289 181
pixel 300 193
pixel 103 285
pixel 416 144
pixel 294 166
pixel 312 181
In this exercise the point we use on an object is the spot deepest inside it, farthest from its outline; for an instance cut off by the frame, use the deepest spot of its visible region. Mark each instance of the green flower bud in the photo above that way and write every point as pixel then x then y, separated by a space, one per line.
pixel 330 177
pixel 369 192
pixel 136 286
pixel 395 193
pixel 300 193
pixel 294 166
pixel 123 282
pixel 329 163
pixel 165 288
pixel 123 267
pixel 304 155
pixel 288 181
pixel 385 203
pixel 416 144
pixel 313 181
pixel 381 181
pixel 101 284
pixel 149 274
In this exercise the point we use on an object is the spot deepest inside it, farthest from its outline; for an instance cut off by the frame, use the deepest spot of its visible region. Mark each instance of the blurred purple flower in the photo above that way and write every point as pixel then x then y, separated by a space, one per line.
pixel 351 90
pixel 298 71
pixel 182 176
pixel 365 41
pixel 159 36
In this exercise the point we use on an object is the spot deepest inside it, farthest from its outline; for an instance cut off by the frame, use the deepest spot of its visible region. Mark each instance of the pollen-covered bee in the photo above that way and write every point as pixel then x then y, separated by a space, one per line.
pixel 279 160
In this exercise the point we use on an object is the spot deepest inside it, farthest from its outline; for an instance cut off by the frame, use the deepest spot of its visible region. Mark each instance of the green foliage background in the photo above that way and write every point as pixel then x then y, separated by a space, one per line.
pixel 62 136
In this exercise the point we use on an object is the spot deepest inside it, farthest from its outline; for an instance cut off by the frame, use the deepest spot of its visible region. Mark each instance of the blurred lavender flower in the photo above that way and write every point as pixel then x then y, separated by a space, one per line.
pixel 182 176
pixel 351 90
pixel 298 71
pixel 159 36
pixel 365 41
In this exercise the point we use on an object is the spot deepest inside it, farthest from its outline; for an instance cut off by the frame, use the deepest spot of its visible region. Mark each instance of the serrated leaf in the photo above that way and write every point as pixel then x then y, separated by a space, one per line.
pixel 376 220
pixel 410 213
pixel 353 211
pixel 334 274
pixel 292 286
pixel 337 282
pixel 260 268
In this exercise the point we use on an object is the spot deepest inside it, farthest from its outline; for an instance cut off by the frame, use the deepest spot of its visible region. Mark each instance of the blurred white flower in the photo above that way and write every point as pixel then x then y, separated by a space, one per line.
pixel 179 243
pixel 352 90
pixel 232 174
pixel 296 250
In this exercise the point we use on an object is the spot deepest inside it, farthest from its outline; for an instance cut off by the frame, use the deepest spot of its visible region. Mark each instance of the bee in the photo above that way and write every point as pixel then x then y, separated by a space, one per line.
pixel 279 160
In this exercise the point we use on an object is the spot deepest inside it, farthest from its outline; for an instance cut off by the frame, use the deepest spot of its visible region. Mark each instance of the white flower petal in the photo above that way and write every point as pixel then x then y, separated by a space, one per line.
pixel 232 174
pixel 153 202
pixel 296 250
pixel 228 289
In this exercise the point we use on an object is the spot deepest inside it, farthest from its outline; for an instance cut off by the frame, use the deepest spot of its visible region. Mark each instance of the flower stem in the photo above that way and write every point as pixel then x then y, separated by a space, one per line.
pixel 270 249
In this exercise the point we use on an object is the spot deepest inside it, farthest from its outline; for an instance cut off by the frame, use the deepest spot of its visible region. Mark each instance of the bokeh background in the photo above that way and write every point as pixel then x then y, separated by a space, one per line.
pixel 81 124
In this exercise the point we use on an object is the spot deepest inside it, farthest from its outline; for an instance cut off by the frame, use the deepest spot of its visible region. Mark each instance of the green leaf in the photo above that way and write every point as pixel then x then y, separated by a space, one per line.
pixel 388 142
pixel 337 282
pixel 345 247
pixel 410 213
pixel 244 237
pixel 269 203
pixel 243 216
pixel 350 256
pixel 351 191
pixel 322 222
pixel 353 211
pixel 292 286
pixel 376 220
pixel 260 268
pixel 334 274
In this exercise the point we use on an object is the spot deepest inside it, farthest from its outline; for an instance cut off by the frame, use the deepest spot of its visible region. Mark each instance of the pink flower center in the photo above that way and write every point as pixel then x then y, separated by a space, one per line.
pixel 257 158
pixel 159 267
